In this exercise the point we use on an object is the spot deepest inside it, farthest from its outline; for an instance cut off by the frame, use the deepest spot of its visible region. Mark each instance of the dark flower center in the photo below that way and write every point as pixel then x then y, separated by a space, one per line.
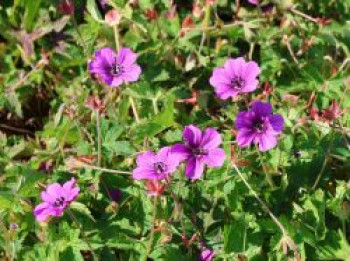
pixel 160 167
pixel 59 202
pixel 116 69
pixel 259 127
pixel 237 83
pixel 199 151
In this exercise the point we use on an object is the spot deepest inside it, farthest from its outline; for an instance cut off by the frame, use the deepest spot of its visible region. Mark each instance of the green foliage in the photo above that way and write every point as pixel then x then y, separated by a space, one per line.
pixel 49 133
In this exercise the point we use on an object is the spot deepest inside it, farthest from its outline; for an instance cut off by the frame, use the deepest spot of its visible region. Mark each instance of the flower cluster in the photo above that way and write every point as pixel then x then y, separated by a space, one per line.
pixel 259 125
pixel 198 150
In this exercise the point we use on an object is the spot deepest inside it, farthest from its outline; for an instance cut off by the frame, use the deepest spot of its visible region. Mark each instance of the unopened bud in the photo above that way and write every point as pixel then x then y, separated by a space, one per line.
pixel 112 17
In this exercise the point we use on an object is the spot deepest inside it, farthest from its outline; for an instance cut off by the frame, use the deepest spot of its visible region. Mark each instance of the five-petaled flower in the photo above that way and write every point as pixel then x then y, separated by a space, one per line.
pixel 154 166
pixel 115 69
pixel 237 76
pixel 259 126
pixel 56 199
pixel 199 149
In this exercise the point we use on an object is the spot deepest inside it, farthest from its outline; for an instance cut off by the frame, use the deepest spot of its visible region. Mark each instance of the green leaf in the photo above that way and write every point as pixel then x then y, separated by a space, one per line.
pixel 31 11
pixel 93 10
pixel 82 209
pixel 336 248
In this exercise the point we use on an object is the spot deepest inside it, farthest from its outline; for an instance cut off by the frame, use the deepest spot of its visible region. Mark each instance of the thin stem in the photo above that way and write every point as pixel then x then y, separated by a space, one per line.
pixel 297 12
pixel 251 50
pixel 264 206
pixel 134 110
pixel 324 164
pixel 116 37
pixel 106 170
pixel 99 139
pixel 155 106
pixel 151 237
pixel 267 174
pixel 262 203
pixel 72 216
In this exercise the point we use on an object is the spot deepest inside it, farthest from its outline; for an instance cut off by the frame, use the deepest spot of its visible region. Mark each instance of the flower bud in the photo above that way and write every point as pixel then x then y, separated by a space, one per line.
pixel 112 17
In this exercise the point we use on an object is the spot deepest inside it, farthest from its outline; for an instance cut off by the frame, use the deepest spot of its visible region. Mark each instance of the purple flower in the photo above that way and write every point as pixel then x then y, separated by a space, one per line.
pixel 259 126
pixel 153 166
pixel 199 149
pixel 115 69
pixel 56 199
pixel 254 2
pixel 207 255
pixel 237 76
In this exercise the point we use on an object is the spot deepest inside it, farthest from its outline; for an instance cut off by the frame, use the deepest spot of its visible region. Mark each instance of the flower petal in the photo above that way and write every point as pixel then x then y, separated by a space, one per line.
pixel 105 54
pixel 215 158
pixel 55 190
pixel 181 151
pixel 113 81
pixel 131 73
pixel 266 142
pixel 245 137
pixel 42 211
pixel 194 169
pixel 235 67
pixel 192 135
pixel 211 139
pixel 262 109
pixel 243 120
pixel 220 77
pixel 224 94
pixel 251 71
pixel 277 122
pixel 126 57
pixel 250 86
pixel 145 158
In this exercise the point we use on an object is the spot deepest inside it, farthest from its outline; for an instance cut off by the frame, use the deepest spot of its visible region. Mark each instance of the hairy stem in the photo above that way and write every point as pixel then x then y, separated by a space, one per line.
pixel 267 174
pixel 151 236
pixel 99 139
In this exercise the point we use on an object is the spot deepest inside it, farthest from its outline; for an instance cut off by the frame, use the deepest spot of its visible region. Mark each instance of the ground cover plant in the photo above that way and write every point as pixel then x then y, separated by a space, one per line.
pixel 174 130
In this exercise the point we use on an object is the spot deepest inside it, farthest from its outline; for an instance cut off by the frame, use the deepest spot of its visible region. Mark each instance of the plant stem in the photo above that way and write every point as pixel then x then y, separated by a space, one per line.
pixel 134 110
pixel 151 237
pixel 324 164
pixel 105 169
pixel 75 220
pixel 155 106
pixel 267 175
pixel 99 139
pixel 116 37
pixel 297 12
pixel 264 206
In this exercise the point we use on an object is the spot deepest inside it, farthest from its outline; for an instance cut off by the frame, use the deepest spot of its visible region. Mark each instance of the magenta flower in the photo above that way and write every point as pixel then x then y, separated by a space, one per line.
pixel 56 199
pixel 259 126
pixel 115 69
pixel 254 2
pixel 153 166
pixel 199 149
pixel 207 255
pixel 237 76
